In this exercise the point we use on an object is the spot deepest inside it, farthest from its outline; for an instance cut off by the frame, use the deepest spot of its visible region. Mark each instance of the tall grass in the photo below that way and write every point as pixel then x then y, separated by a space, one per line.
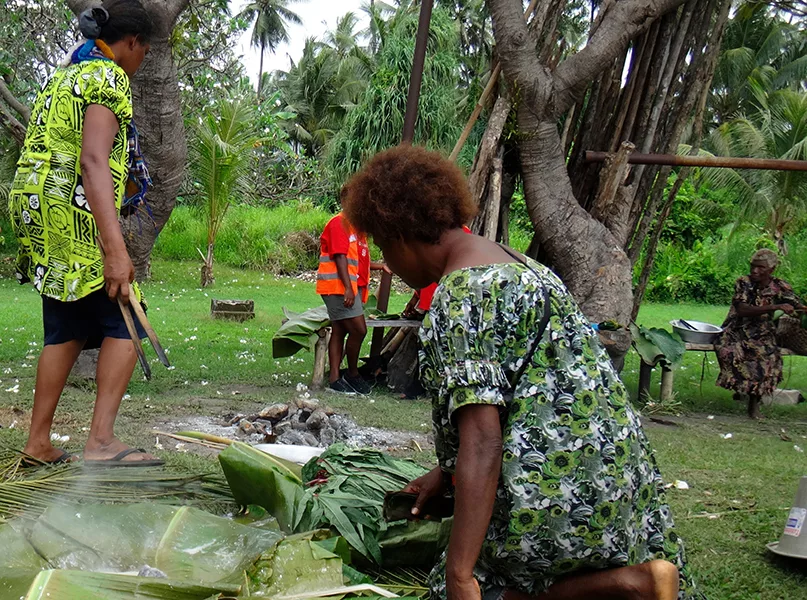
pixel 282 240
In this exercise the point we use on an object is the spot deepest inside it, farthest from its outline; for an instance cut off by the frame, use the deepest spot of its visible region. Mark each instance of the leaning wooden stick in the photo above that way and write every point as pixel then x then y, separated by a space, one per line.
pixel 130 326
pixel 141 356
pixel 141 316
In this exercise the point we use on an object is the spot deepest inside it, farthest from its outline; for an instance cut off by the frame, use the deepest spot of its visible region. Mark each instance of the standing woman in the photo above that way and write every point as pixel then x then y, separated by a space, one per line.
pixel 70 182
pixel 557 493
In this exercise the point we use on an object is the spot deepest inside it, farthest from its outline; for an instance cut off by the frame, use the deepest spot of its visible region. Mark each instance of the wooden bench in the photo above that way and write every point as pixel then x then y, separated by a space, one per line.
pixel 646 371
pixel 321 347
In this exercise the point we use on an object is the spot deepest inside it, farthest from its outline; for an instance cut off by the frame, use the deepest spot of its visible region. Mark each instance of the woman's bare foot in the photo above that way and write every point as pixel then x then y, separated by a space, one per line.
pixel 98 451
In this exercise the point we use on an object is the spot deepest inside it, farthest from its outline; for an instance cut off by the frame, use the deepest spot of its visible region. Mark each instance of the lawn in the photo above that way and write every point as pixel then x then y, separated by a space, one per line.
pixel 739 488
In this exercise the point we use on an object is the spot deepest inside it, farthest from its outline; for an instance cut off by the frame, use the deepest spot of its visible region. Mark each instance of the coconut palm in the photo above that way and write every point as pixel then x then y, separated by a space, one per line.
pixel 378 13
pixel 772 201
pixel 325 84
pixel 269 30
pixel 223 153
pixel 761 49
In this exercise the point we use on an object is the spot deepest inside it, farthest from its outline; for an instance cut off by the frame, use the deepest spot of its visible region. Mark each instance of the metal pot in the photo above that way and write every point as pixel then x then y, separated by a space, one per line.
pixel 704 333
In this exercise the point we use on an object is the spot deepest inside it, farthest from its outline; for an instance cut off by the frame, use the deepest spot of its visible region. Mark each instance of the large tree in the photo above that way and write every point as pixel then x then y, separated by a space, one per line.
pixel 588 228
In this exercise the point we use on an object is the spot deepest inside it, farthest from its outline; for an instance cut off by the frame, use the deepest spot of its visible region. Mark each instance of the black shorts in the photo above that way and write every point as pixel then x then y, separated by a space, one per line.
pixel 91 318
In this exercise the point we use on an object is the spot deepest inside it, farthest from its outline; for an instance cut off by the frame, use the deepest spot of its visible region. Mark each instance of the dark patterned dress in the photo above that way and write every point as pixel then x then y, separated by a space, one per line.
pixel 48 206
pixel 750 360
pixel 579 487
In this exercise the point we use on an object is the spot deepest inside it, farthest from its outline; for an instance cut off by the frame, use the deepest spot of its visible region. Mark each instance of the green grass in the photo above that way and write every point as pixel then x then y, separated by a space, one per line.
pixel 284 239
pixel 749 480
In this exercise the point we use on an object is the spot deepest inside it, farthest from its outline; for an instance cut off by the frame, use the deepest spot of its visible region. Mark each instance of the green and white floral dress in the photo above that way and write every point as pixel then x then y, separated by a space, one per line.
pixel 579 487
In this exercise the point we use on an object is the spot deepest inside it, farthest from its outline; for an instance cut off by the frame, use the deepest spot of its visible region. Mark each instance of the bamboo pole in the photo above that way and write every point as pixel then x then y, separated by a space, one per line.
pixel 483 98
pixel 720 162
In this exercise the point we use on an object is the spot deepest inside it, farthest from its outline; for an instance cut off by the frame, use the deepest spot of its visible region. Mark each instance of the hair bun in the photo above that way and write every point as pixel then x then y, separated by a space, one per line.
pixel 91 21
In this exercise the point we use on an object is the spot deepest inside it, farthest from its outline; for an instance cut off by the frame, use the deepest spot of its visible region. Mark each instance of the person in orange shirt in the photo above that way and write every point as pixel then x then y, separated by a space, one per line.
pixel 338 284
pixel 366 264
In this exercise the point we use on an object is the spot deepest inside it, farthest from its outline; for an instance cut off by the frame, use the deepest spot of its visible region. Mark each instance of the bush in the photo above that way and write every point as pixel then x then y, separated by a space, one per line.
pixel 284 239
pixel 695 275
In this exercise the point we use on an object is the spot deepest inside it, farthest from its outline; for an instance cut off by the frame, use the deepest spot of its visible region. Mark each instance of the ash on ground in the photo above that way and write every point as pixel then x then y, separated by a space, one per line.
pixel 303 422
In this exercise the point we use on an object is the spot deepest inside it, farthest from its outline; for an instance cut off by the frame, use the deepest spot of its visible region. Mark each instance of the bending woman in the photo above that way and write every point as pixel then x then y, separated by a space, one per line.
pixel 557 492
pixel 70 182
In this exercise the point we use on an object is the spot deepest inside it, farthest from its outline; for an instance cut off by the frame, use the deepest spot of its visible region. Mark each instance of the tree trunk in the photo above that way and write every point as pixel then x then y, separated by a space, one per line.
pixel 260 71
pixel 583 252
pixel 207 268
pixel 158 115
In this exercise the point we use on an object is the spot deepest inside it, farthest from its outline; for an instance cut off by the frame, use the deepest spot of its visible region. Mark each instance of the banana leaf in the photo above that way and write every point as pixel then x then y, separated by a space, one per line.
pixel 15 583
pixel 63 585
pixel 257 478
pixel 656 345
pixel 18 553
pixel 415 543
pixel 185 543
pixel 301 566
pixel 299 332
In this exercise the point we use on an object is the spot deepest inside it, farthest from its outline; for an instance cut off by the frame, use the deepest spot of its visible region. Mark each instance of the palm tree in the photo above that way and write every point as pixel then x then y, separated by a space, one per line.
pixel 378 12
pixel 325 84
pixel 223 153
pixel 269 30
pixel 760 49
pixel 773 201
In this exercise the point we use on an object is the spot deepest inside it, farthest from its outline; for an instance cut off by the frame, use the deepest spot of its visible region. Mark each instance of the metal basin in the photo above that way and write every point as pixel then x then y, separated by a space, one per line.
pixel 706 333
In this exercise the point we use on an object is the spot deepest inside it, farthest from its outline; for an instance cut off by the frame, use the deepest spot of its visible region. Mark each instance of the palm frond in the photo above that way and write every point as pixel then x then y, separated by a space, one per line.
pixel 28 491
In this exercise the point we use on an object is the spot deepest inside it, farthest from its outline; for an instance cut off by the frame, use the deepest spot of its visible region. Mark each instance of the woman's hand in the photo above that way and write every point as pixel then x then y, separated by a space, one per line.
pixel 462 588
pixel 788 309
pixel 350 297
pixel 427 486
pixel 118 274
pixel 410 307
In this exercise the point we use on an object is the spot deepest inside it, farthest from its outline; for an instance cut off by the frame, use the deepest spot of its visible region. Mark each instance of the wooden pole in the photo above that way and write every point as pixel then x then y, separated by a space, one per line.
pixel 408 136
pixel 721 162
pixel 412 99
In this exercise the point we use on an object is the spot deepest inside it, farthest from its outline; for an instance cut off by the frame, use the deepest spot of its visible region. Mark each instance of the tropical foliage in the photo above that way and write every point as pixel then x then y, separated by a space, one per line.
pixel 222 163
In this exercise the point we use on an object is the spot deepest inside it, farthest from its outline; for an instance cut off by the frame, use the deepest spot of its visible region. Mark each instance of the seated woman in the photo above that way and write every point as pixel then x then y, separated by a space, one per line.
pixel 750 360
pixel 557 494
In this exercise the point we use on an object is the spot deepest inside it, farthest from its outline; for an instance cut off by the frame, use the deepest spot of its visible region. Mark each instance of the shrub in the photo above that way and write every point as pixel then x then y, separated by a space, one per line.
pixel 284 239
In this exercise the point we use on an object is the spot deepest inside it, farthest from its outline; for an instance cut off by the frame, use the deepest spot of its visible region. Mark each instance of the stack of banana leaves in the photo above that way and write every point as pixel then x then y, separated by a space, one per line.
pixel 300 533
pixel 344 490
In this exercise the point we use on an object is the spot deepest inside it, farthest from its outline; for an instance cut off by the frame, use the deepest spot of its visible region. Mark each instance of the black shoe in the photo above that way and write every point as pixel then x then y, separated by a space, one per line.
pixel 341 386
pixel 360 386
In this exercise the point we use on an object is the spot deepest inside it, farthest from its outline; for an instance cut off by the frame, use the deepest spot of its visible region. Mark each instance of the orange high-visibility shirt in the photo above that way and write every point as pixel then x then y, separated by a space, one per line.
pixel 337 238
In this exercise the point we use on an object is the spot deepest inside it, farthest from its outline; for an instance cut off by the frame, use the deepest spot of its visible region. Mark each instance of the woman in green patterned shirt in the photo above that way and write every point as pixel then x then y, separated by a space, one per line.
pixel 557 493
pixel 70 181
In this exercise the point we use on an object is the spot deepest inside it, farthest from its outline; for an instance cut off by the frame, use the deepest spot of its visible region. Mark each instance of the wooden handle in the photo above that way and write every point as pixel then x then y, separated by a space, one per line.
pixel 152 335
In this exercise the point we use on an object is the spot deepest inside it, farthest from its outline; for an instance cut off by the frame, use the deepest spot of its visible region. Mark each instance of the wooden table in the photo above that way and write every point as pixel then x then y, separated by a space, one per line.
pixel 321 347
pixel 646 371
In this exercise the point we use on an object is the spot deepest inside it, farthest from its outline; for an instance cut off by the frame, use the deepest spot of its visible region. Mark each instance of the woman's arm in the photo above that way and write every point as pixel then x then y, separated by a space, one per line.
pixel 747 310
pixel 379 266
pixel 479 464
pixel 98 136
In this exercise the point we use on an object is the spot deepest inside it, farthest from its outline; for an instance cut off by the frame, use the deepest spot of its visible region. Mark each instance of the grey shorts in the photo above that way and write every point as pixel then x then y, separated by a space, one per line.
pixel 337 311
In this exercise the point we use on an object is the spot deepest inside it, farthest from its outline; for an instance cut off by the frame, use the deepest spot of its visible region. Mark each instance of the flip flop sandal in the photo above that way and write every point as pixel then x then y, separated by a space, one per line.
pixel 117 460
pixel 64 458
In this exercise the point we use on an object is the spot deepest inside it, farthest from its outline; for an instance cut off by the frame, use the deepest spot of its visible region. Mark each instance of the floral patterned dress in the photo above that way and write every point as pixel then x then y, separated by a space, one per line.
pixel 579 486
pixel 750 360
